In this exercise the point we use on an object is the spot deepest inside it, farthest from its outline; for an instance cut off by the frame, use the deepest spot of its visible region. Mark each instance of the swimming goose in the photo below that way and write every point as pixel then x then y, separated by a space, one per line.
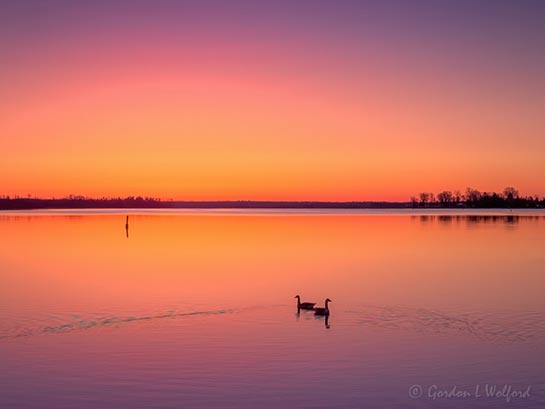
pixel 304 305
pixel 323 311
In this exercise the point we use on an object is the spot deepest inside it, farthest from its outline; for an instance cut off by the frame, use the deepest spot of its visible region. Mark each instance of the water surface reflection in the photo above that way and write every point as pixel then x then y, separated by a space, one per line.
pixel 197 310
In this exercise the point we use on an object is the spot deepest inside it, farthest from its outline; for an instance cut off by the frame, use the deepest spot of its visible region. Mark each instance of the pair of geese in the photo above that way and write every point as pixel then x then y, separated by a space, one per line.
pixel 311 306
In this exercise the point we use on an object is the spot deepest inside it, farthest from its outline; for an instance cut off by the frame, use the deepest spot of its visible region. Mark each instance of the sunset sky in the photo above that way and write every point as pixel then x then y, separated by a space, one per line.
pixel 271 100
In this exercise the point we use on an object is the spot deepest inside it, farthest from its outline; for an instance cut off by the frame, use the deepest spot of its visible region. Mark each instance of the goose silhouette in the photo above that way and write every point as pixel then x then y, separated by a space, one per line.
pixel 304 305
pixel 323 310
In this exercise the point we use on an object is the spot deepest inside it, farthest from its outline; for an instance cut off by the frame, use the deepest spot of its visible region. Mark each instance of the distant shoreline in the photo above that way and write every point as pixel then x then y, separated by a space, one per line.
pixel 39 204
pixel 140 203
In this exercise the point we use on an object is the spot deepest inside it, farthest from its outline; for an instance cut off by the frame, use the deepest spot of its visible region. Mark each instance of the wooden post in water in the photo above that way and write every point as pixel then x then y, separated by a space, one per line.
pixel 127 226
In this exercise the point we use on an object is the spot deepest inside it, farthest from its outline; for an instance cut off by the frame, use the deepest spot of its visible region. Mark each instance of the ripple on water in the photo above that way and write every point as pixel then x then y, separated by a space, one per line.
pixel 485 326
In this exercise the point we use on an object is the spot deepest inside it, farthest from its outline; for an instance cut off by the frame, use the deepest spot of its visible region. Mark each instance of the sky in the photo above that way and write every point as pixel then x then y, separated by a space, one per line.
pixel 271 100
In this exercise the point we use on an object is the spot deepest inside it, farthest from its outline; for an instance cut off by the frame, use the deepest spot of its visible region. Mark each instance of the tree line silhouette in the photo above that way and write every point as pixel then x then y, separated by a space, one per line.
pixel 77 202
pixel 82 202
pixel 473 198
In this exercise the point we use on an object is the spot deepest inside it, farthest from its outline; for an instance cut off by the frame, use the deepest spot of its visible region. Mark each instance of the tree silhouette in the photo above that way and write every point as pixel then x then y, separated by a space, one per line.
pixel 445 198
pixel 424 198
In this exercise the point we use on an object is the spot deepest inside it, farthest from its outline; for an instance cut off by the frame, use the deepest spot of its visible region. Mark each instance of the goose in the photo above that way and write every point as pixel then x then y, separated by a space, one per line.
pixel 323 311
pixel 304 305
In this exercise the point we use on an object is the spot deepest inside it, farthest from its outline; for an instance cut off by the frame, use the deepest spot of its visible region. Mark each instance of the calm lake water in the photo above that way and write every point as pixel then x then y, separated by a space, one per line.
pixel 195 309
